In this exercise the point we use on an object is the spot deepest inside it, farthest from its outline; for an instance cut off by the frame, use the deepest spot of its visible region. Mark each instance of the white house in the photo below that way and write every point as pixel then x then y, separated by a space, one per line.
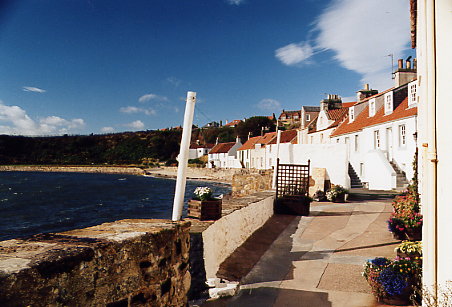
pixel 196 150
pixel 223 155
pixel 379 133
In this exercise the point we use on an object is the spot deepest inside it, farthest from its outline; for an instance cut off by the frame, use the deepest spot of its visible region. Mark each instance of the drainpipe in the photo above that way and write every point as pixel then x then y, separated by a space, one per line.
pixel 278 140
pixel 431 206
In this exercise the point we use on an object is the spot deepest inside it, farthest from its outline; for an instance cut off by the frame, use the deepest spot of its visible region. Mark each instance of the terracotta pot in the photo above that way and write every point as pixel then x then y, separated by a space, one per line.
pixel 397 300
pixel 414 234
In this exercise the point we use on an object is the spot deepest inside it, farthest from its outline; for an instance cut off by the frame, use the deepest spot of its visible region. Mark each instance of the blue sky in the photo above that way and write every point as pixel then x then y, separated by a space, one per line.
pixel 95 66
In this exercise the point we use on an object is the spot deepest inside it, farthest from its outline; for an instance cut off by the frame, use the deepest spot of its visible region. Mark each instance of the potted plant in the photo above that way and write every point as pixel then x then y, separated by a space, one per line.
pixel 397 227
pixel 392 282
pixel 410 249
pixel 337 194
pixel 319 195
pixel 203 205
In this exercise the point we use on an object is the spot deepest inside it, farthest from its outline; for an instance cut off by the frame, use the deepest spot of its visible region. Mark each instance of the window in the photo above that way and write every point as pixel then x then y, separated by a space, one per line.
pixel 347 140
pixel 376 139
pixel 308 117
pixel 372 107
pixel 312 139
pixel 352 114
pixel 361 170
pixel 337 140
pixel 321 138
pixel 402 135
pixel 388 103
pixel 356 142
pixel 295 117
pixel 412 94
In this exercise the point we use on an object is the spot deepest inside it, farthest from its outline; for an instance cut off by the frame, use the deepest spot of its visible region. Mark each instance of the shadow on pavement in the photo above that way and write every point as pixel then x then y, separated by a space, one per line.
pixel 269 297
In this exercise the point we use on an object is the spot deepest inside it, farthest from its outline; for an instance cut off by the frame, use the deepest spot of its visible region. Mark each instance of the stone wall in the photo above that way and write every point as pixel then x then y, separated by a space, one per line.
pixel 73 169
pixel 248 182
pixel 125 263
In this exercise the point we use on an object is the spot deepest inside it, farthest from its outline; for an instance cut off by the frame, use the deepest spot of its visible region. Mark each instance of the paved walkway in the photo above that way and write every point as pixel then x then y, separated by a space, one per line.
pixel 317 261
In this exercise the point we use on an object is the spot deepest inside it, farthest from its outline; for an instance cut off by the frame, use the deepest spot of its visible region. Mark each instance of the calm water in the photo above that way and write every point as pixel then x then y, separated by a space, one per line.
pixel 33 202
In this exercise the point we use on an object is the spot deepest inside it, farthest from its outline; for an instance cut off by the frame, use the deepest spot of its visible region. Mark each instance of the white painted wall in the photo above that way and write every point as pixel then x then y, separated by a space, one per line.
pixel 226 234
pixel 435 95
pixel 333 157
pixel 403 155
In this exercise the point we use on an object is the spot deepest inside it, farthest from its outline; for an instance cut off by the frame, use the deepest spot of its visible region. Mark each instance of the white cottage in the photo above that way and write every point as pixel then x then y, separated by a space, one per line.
pixel 223 155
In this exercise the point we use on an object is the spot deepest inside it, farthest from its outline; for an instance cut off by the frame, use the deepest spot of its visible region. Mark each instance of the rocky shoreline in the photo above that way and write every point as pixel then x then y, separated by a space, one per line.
pixel 128 170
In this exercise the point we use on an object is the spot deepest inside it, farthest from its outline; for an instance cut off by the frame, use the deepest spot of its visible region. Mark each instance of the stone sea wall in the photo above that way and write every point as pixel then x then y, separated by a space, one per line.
pixel 251 181
pixel 124 263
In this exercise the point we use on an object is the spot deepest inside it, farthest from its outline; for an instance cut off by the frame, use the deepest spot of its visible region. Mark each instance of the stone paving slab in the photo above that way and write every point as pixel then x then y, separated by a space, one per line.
pixel 318 260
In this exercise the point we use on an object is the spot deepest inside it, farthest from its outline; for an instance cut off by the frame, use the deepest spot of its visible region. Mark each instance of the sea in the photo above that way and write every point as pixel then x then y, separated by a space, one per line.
pixel 37 202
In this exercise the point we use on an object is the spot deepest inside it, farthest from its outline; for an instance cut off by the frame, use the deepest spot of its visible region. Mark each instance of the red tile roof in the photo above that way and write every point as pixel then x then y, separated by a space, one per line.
pixel 235 122
pixel 222 148
pixel 363 120
pixel 348 104
pixel 267 138
pixel 249 144
pixel 196 146
pixel 286 136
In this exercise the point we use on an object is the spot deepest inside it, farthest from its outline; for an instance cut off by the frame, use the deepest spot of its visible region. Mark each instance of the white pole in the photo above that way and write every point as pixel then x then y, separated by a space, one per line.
pixel 278 140
pixel 183 157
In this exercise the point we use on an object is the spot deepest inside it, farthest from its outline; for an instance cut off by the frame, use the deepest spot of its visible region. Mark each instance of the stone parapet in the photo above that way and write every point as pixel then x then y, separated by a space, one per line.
pixel 124 263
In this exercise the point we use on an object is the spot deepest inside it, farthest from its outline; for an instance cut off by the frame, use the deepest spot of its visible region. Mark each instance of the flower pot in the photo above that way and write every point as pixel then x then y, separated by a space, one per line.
pixel 292 204
pixel 397 300
pixel 205 209
pixel 414 234
pixel 339 199
pixel 399 235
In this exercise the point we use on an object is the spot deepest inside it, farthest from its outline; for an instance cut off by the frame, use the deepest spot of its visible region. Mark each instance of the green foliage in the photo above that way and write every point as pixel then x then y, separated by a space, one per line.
pixel 120 148
pixel 254 126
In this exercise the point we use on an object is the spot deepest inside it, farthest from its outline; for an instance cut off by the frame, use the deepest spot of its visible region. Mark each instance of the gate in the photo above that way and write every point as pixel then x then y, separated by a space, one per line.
pixel 292 189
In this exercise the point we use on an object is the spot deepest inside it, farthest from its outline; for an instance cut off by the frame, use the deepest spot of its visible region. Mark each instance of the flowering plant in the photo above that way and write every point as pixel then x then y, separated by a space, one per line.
pixel 392 278
pixel 203 193
pixel 410 247
pixel 335 193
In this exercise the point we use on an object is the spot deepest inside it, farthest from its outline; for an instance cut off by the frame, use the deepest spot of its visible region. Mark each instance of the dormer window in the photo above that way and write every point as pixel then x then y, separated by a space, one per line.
pixel 388 103
pixel 351 114
pixel 412 93
pixel 372 107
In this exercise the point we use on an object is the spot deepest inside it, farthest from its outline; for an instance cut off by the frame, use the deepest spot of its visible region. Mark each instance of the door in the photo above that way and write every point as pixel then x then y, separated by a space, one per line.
pixel 389 143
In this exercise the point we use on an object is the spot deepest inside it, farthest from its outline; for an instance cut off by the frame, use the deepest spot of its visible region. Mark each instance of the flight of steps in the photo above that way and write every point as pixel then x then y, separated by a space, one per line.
pixel 355 182
pixel 401 180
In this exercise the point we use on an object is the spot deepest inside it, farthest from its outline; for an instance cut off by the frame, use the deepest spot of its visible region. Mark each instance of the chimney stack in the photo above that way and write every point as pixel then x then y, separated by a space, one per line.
pixel 404 75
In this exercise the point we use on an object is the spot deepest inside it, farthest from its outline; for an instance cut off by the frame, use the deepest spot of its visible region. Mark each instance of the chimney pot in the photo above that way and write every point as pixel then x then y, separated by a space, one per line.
pixel 366 86
pixel 400 63
pixel 408 64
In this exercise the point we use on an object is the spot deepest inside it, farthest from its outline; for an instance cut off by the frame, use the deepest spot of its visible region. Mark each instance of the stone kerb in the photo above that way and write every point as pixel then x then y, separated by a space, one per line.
pixel 124 263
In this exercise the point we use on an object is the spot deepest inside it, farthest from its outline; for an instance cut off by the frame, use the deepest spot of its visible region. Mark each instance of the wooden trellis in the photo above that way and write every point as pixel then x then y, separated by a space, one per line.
pixel 291 179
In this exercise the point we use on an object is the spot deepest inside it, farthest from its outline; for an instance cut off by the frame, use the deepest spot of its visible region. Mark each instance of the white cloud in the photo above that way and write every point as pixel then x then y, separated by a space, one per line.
pixel 15 120
pixel 107 129
pixel 132 110
pixel 294 53
pixel 33 89
pixel 174 81
pixel 235 2
pixel 149 97
pixel 269 104
pixel 363 33
pixel 138 125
